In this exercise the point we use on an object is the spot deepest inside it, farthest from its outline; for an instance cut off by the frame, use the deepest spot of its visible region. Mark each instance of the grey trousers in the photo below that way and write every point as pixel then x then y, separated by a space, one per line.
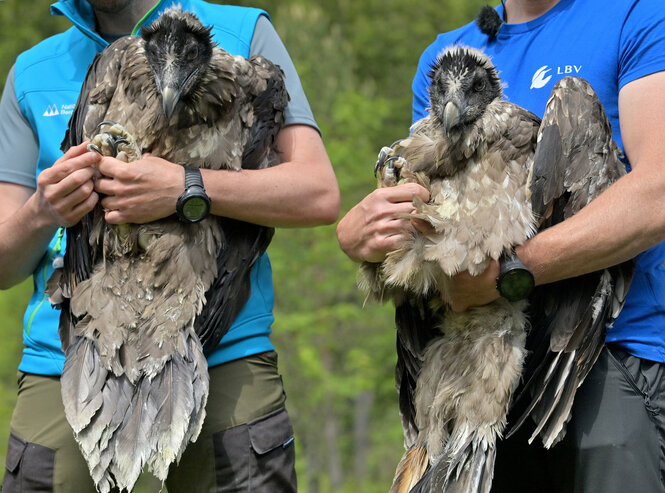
pixel 615 441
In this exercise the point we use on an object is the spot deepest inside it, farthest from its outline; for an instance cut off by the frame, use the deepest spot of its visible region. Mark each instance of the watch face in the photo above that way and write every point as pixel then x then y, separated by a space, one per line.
pixel 516 284
pixel 195 208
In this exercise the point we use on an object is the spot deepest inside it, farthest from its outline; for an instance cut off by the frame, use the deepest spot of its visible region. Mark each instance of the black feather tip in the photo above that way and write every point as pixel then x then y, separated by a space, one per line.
pixel 488 21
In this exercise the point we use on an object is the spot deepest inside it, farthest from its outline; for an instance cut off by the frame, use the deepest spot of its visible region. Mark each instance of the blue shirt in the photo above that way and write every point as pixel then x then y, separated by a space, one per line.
pixel 609 44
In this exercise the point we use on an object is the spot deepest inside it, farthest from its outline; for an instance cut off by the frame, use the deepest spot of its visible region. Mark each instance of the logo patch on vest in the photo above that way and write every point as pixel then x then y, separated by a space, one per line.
pixel 55 110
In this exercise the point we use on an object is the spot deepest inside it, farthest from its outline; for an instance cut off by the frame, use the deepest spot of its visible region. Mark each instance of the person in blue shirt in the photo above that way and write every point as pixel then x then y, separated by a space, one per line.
pixel 247 438
pixel 616 438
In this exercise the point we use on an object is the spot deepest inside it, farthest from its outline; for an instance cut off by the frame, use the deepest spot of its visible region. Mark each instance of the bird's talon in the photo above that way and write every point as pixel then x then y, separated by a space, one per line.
pixel 115 141
pixel 105 122
pixel 383 155
pixel 94 148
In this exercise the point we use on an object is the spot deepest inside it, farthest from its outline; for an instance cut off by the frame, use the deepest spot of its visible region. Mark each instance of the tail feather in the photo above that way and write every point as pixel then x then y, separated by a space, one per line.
pixel 149 422
pixel 131 442
pixel 470 472
pixel 410 469
pixel 182 407
pixel 82 381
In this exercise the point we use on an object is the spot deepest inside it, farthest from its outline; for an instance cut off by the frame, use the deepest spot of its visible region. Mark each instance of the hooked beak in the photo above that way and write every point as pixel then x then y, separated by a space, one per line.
pixel 450 115
pixel 170 98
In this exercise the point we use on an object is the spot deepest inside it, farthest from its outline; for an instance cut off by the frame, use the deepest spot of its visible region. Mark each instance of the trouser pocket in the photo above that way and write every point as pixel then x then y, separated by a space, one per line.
pixel 257 457
pixel 28 468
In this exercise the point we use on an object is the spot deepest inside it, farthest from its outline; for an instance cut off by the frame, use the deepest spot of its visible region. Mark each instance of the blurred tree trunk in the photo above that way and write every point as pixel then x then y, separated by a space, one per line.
pixel 361 427
pixel 331 431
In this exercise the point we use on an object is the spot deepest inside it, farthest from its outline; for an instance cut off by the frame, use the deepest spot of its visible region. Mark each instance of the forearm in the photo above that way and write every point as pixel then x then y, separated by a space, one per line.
pixel 287 195
pixel 619 224
pixel 24 237
pixel 300 191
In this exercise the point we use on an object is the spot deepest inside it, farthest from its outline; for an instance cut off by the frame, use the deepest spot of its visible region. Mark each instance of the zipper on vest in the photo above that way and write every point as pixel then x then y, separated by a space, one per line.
pixel 49 259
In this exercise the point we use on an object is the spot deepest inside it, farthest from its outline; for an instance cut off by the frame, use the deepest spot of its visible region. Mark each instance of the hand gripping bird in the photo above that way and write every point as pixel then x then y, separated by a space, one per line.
pixel 143 304
pixel 496 175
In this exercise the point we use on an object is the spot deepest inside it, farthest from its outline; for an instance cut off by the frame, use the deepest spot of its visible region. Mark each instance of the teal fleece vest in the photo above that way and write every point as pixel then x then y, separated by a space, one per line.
pixel 48 78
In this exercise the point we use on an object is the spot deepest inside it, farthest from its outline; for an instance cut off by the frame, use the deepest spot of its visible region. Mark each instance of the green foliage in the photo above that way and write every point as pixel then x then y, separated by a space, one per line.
pixel 22 25
pixel 356 61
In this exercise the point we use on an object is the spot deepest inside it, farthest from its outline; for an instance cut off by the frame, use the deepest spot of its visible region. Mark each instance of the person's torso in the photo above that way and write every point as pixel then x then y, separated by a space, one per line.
pixel 48 79
pixel 604 45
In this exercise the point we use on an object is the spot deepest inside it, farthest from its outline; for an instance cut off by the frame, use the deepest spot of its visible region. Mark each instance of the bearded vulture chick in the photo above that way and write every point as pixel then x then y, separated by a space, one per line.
pixel 496 176
pixel 142 304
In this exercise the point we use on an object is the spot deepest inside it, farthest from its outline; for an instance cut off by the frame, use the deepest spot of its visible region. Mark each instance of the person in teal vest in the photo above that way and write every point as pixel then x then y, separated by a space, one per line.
pixel 616 438
pixel 247 439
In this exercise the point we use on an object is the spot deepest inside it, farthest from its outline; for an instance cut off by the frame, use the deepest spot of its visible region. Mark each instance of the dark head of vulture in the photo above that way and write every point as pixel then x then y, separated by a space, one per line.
pixel 178 50
pixel 464 83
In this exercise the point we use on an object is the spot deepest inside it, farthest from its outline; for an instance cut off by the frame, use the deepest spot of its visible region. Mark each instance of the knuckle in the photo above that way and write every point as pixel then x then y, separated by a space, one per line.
pixel 87 187
pixel 79 178
pixel 49 195
pixel 43 179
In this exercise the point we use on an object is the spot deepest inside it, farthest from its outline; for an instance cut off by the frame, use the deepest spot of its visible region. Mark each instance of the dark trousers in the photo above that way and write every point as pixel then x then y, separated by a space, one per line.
pixel 615 441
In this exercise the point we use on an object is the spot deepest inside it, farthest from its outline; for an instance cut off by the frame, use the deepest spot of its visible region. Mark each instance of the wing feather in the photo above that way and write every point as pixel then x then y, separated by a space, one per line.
pixel 417 320
pixel 244 243
pixel 241 247
pixel 270 98
pixel 575 161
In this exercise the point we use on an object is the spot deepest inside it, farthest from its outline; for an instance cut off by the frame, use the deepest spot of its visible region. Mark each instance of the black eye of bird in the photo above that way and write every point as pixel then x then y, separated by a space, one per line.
pixel 192 53
pixel 479 85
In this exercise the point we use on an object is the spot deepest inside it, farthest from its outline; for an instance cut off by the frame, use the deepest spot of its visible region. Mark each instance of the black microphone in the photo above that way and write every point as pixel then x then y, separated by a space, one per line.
pixel 488 21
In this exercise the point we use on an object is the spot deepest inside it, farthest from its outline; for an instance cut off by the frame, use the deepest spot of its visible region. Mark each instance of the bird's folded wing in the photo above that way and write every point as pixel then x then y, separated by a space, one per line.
pixel 96 93
pixel 575 161
pixel 242 245
pixel 270 98
pixel 417 320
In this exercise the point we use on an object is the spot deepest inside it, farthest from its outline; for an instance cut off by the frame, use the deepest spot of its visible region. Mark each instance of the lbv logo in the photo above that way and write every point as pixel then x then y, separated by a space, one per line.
pixel 543 75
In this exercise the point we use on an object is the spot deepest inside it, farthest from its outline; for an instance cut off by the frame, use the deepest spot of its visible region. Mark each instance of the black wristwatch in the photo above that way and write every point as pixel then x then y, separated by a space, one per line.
pixel 515 281
pixel 194 204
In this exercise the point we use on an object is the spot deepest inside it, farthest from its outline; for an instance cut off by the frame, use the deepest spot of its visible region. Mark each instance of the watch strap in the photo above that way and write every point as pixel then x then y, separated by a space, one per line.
pixel 193 189
pixel 193 178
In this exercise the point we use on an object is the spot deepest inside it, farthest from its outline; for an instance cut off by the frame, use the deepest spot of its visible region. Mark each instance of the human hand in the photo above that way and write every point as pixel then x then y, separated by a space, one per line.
pixel 376 225
pixel 140 191
pixel 65 191
pixel 463 290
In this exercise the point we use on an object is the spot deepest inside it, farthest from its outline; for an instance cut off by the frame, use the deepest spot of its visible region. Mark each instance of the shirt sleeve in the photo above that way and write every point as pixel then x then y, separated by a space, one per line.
pixel 19 149
pixel 642 50
pixel 266 42
pixel 421 82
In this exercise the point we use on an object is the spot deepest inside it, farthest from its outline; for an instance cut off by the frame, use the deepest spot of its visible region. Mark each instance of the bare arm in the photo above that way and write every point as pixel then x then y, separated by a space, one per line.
pixel 29 218
pixel 301 191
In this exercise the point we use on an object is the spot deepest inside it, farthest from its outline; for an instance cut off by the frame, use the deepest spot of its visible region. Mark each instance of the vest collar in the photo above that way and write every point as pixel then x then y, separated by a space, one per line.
pixel 80 13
